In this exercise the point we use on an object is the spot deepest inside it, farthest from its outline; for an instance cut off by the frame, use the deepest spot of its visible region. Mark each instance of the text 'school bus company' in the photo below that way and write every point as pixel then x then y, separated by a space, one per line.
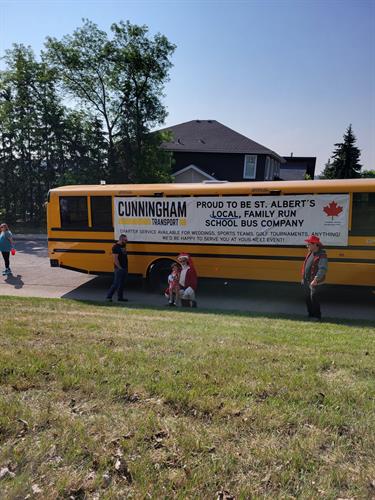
pixel 233 230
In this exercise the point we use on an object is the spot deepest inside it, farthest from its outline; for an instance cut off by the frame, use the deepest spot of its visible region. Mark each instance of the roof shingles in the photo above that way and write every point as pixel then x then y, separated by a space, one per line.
pixel 210 136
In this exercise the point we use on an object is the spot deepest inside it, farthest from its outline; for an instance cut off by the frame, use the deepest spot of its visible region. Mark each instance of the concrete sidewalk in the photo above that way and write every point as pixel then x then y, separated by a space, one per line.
pixel 30 237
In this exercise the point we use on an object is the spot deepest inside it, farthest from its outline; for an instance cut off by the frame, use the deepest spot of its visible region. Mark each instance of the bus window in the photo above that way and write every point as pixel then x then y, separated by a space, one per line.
pixel 363 218
pixel 101 212
pixel 73 212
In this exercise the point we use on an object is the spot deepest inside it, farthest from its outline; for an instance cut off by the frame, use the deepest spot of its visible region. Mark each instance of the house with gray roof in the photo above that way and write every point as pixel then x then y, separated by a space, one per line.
pixel 206 150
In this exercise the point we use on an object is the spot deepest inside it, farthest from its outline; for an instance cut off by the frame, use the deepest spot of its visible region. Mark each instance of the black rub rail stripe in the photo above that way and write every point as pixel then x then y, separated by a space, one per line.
pixel 101 273
pixel 218 256
pixel 107 229
pixel 89 240
pixel 71 250
pixel 70 268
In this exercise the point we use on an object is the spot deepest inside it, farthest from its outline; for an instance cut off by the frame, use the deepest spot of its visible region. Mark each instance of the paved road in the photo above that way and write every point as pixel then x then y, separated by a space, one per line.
pixel 33 277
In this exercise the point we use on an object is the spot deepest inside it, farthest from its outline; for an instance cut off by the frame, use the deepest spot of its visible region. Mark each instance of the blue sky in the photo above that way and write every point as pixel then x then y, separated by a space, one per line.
pixel 290 74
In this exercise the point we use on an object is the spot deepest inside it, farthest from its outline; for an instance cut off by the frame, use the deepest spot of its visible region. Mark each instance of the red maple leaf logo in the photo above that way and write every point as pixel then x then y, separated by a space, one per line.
pixel 333 209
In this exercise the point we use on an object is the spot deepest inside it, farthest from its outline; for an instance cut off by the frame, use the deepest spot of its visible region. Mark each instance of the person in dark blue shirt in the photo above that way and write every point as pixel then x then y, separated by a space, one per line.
pixel 120 261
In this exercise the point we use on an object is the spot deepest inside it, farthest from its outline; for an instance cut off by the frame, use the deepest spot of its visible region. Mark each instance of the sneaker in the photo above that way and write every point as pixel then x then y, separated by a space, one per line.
pixel 122 300
pixel 171 304
pixel 8 271
pixel 4 273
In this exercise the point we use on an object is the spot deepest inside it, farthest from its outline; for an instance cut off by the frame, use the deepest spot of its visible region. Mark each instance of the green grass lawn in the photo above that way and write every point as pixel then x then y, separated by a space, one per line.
pixel 114 402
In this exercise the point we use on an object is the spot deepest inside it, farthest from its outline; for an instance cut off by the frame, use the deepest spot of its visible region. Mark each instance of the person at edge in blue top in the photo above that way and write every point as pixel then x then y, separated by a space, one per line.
pixel 314 270
pixel 120 261
pixel 6 246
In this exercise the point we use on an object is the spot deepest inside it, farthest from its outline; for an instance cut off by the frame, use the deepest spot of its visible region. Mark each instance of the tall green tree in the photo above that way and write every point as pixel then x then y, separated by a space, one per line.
pixel 8 157
pixel 22 130
pixel 328 171
pixel 42 143
pixel 120 81
pixel 85 150
pixel 345 159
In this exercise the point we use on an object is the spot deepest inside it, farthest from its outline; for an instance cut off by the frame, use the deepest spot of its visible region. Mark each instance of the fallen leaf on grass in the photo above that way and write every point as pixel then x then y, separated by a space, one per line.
pixel 224 495
pixel 116 440
pixel 76 493
pixel 35 489
pixel 90 476
pixel 106 479
pixel 123 470
pixel 5 472
pixel 110 342
pixel 25 424
pixel 211 449
pixel 262 396
pixel 22 387
pixel 158 438
pixel 25 427
pixel 129 398
pixel 266 478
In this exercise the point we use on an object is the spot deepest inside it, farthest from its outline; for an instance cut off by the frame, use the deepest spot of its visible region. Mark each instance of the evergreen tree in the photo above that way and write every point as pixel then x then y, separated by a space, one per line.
pixel 21 128
pixel 8 160
pixel 42 143
pixel 345 159
pixel 328 171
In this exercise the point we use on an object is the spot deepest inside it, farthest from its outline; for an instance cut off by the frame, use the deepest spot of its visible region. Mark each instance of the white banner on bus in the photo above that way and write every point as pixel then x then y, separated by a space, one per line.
pixel 234 220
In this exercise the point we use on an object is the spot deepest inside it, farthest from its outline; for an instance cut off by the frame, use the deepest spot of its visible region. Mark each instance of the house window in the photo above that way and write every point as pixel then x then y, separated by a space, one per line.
pixel 273 170
pixel 267 170
pixel 277 173
pixel 250 167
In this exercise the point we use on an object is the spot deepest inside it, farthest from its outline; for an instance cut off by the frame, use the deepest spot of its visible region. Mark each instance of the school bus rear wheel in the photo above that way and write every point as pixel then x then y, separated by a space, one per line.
pixel 158 275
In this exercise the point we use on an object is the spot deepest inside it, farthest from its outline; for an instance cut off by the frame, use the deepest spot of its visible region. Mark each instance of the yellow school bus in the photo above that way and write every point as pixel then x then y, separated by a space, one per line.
pixel 233 230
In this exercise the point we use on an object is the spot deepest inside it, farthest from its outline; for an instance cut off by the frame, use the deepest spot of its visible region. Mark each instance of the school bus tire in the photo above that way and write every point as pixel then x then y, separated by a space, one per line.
pixel 157 275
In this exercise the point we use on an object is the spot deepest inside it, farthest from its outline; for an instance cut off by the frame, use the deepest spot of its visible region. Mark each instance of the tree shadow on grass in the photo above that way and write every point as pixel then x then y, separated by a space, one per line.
pixel 287 298
pixel 244 314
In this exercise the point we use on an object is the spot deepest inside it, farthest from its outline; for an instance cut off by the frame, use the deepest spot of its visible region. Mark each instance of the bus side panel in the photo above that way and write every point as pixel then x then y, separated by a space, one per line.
pixel 97 258
pixel 339 273
pixel 53 212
